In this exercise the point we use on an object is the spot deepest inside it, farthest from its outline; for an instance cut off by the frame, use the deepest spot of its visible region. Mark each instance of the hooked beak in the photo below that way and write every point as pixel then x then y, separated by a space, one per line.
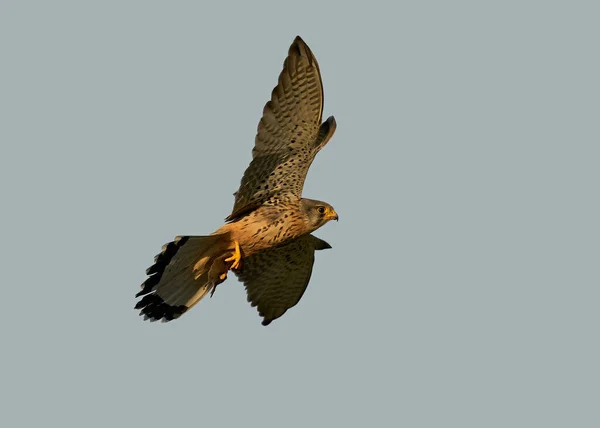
pixel 333 216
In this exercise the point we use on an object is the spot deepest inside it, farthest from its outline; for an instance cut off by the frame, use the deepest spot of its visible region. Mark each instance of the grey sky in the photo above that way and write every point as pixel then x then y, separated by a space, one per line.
pixel 462 287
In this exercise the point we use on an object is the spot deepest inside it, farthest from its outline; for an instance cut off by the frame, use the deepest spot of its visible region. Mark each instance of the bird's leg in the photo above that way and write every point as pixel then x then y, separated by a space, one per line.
pixel 236 257
pixel 218 270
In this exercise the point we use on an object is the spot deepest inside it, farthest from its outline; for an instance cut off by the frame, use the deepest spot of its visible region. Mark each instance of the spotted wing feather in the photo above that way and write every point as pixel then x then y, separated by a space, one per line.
pixel 276 279
pixel 289 134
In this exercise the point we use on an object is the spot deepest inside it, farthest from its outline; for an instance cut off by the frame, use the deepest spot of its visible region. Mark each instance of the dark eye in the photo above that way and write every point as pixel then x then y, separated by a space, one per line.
pixel 321 210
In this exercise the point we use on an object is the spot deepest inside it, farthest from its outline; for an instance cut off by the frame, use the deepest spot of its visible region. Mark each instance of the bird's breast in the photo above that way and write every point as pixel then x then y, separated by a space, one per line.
pixel 267 227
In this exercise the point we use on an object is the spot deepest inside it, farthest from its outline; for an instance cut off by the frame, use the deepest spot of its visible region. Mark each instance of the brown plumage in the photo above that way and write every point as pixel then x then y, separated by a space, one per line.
pixel 267 239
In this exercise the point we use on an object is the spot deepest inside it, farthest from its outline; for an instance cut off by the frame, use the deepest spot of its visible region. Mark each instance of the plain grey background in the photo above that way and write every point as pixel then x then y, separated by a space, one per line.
pixel 462 287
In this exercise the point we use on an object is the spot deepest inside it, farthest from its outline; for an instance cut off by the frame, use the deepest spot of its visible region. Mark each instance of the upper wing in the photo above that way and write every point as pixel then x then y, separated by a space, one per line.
pixel 276 278
pixel 289 134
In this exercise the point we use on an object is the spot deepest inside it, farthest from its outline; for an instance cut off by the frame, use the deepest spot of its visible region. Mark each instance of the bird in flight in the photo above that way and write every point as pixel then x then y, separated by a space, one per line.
pixel 267 239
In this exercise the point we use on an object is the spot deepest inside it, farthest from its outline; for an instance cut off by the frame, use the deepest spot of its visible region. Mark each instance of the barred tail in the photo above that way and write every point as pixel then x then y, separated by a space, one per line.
pixel 179 277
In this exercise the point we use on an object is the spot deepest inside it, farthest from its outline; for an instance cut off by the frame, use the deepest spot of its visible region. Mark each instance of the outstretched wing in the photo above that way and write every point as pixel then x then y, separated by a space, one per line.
pixel 275 279
pixel 289 135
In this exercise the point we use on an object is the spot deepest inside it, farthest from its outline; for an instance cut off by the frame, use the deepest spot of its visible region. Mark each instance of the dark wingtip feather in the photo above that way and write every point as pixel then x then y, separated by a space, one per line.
pixel 300 48
pixel 326 131
pixel 331 122
pixel 320 244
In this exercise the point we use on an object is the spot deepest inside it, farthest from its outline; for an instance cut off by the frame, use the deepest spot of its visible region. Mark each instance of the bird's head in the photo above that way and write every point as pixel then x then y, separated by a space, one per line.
pixel 318 212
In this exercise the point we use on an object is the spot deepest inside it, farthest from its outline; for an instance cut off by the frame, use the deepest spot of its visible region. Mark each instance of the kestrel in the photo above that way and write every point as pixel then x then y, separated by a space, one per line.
pixel 266 240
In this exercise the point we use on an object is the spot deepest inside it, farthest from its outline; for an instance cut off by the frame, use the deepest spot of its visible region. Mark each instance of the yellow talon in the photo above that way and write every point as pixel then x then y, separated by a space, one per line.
pixel 236 258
